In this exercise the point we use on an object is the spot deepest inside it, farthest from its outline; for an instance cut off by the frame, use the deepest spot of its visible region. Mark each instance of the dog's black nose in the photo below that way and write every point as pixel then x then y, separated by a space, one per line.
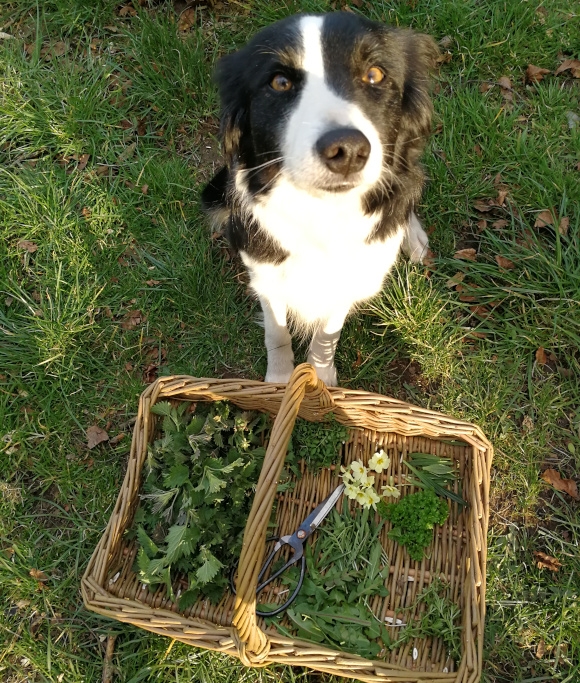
pixel 344 150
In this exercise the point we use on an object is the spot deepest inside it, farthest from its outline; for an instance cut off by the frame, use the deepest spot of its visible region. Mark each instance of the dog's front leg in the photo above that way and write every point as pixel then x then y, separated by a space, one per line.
pixel 278 342
pixel 415 243
pixel 323 347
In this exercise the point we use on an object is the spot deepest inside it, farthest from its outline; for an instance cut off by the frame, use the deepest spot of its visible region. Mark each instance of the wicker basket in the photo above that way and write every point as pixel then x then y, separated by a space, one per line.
pixel 110 587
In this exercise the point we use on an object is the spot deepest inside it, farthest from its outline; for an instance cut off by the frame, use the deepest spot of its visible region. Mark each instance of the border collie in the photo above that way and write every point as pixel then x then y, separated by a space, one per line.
pixel 323 120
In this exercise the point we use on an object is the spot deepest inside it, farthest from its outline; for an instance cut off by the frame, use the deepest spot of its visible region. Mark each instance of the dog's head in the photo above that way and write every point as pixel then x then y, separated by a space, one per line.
pixel 329 103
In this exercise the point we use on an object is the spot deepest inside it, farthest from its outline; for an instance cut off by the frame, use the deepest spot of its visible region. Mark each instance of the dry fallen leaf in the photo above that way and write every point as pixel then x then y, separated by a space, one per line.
pixel 541 358
pixel 144 189
pixel 468 254
pixel 127 153
pixel 82 162
pixel 499 224
pixel 547 561
pixel 564 225
pixel 38 575
pixel 572 64
pixel 485 86
pixel 505 82
pixel 187 19
pixel 502 194
pixel 481 225
pixel 95 436
pixel 504 263
pixel 544 218
pixel 477 149
pixel 456 279
pixel 535 74
pixel 132 319
pixel 566 485
pixel 484 205
pixel 152 283
pixel 29 246
pixel 115 440
pixel 541 649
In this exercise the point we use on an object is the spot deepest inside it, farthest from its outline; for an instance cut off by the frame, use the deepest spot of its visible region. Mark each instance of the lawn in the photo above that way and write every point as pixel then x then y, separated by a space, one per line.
pixel 110 276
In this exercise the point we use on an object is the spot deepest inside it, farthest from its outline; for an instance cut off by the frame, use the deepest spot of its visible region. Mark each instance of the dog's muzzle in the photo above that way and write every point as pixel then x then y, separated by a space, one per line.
pixel 344 151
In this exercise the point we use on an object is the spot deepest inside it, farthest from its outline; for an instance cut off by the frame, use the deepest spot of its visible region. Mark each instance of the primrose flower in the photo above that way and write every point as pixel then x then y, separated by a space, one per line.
pixel 351 491
pixel 359 471
pixel 390 490
pixel 347 477
pixel 362 498
pixel 371 498
pixel 380 461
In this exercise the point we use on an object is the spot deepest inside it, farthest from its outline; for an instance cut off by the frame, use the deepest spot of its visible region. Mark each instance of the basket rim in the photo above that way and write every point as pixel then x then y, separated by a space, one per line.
pixel 387 414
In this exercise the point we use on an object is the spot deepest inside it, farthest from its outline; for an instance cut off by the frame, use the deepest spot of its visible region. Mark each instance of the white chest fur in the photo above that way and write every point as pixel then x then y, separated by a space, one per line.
pixel 330 267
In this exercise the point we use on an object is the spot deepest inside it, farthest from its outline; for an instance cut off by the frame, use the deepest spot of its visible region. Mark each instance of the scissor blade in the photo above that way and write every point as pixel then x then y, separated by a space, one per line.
pixel 317 516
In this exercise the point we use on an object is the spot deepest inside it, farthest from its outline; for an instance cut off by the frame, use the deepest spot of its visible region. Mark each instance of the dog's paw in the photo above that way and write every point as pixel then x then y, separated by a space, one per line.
pixel 328 375
pixel 416 242
pixel 279 375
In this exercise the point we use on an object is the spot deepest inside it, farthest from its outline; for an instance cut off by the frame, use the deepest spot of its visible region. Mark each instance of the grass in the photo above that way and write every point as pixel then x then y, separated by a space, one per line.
pixel 122 280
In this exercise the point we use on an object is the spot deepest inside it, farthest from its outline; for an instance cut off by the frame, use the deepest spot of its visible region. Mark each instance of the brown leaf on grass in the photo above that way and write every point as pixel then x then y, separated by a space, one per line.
pixel 541 357
pixel 127 153
pixel 444 57
pixel 95 436
pixel 497 179
pixel 132 319
pixel 469 254
pixel 499 224
pixel 152 283
pixel 38 575
pixel 456 279
pixel 484 87
pixel 572 64
pixel 480 310
pixel 534 74
pixel 483 205
pixel 481 225
pixel 429 258
pixel 505 82
pixel 83 160
pixel 115 440
pixel 59 49
pixel 141 126
pixel 186 19
pixel 102 170
pixel 358 360
pixel 544 218
pixel 144 189
pixel 27 245
pixel 150 373
pixel 563 226
pixel 541 649
pixel 504 263
pixel 547 561
pixel 477 149
pixel 566 485
pixel 501 195
pixel 127 11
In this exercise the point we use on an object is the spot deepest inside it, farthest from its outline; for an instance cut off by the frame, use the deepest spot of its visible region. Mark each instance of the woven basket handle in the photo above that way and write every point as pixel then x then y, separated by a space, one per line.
pixel 253 643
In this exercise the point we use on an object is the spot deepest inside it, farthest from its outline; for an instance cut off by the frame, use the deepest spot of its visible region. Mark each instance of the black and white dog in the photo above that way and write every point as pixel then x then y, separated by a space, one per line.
pixel 323 120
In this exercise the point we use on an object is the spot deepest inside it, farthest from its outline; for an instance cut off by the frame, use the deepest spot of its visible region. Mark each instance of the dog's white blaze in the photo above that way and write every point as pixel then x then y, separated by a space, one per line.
pixel 320 110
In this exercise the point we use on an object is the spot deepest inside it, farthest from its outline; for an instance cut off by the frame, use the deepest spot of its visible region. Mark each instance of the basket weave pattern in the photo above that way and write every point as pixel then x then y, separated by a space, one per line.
pixel 458 553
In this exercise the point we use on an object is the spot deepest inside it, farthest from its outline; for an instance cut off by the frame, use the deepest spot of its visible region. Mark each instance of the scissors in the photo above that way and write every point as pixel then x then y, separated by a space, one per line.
pixel 296 542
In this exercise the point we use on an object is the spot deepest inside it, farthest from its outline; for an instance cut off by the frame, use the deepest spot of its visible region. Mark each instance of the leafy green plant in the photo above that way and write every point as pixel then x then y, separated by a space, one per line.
pixel 317 443
pixel 433 472
pixel 333 604
pixel 413 518
pixel 196 496
pixel 441 618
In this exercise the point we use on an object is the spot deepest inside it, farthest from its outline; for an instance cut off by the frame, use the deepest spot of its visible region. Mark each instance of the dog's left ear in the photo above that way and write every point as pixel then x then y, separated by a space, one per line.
pixel 422 54
pixel 231 79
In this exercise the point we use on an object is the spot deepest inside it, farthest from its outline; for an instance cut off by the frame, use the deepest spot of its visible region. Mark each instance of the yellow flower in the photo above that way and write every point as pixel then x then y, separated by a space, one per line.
pixel 380 461
pixel 390 490
pixel 371 497
pixel 359 471
pixel 351 491
pixel 362 498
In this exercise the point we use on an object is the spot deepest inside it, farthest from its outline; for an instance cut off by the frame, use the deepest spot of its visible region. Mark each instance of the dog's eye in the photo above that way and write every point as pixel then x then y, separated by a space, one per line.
pixel 373 76
pixel 281 83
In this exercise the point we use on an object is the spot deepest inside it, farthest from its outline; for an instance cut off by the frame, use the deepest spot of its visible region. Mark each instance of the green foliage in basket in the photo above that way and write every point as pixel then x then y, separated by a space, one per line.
pixel 317 443
pixel 434 472
pixel 333 604
pixel 413 519
pixel 197 495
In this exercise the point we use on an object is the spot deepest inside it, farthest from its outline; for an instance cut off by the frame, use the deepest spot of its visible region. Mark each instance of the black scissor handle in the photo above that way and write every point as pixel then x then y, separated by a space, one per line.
pixel 274 576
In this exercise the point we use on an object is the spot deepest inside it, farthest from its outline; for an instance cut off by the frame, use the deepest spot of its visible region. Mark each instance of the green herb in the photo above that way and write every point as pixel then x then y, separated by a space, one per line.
pixel 435 473
pixel 332 606
pixel 196 497
pixel 441 618
pixel 317 443
pixel 413 518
